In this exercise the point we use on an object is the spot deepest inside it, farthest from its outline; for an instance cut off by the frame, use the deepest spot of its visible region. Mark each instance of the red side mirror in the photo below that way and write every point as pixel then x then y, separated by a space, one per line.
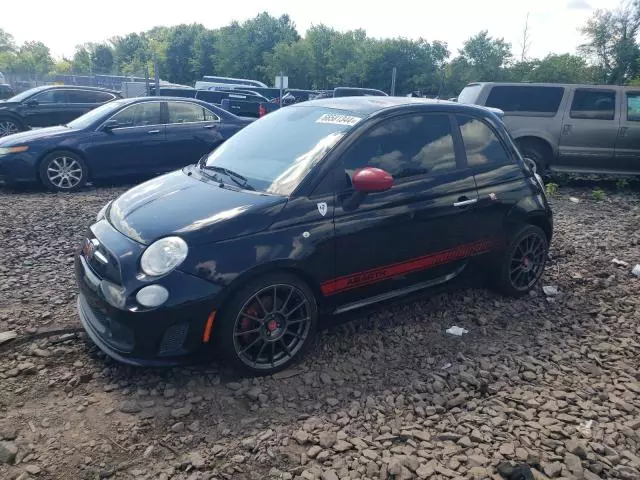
pixel 369 180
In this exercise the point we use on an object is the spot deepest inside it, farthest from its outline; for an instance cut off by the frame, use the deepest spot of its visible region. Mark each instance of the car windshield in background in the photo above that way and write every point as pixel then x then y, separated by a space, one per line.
pixel 26 94
pixel 469 94
pixel 94 115
pixel 276 152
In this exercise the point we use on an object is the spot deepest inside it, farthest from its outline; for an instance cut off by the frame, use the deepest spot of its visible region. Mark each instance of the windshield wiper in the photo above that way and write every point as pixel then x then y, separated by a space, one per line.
pixel 236 177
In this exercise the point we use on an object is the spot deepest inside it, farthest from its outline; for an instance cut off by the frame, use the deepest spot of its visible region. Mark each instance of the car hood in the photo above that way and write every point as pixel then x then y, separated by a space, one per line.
pixel 21 138
pixel 198 211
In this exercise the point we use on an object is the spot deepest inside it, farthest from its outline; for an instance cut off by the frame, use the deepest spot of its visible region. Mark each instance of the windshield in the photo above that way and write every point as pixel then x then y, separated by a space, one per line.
pixel 26 94
pixel 94 115
pixel 276 152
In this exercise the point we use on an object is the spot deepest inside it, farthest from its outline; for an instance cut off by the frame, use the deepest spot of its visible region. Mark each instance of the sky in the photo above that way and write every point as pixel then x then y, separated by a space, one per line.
pixel 553 24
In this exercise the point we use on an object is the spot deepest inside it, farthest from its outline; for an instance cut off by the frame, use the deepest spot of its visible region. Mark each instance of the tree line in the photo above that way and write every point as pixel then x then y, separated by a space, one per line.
pixel 262 47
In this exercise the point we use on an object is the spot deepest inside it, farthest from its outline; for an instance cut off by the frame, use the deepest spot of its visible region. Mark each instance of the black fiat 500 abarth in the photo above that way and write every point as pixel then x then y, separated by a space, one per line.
pixel 320 207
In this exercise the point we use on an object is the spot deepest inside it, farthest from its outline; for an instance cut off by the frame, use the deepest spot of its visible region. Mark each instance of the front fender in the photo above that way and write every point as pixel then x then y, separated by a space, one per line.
pixel 532 209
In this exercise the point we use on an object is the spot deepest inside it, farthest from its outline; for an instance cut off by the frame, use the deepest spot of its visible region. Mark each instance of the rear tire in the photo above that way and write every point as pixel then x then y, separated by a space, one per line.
pixel 63 171
pixel 268 325
pixel 522 262
pixel 9 126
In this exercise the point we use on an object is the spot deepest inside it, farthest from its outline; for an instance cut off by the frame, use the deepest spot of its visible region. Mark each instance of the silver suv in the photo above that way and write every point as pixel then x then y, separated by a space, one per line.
pixel 568 128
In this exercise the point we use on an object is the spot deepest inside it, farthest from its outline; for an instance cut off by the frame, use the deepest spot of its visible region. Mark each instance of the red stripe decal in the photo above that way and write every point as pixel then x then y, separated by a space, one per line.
pixel 379 274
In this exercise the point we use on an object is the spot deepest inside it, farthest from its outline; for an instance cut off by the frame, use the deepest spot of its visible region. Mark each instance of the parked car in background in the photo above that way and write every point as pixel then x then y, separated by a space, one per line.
pixel 2 78
pixel 128 136
pixel 568 128
pixel 50 105
pixel 6 91
pixel 318 208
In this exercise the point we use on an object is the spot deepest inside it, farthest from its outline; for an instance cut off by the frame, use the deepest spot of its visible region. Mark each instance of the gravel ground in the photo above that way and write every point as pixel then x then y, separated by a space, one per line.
pixel 552 381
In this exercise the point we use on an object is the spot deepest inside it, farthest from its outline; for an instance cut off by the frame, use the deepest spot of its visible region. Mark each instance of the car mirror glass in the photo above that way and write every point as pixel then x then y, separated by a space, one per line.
pixel 109 125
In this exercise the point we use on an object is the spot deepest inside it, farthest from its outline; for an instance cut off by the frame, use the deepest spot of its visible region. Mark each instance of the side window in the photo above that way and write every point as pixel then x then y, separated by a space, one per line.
pixel 51 96
pixel 406 147
pixel 81 96
pixel 482 145
pixel 525 99
pixel 102 97
pixel 633 106
pixel 182 112
pixel 593 104
pixel 139 115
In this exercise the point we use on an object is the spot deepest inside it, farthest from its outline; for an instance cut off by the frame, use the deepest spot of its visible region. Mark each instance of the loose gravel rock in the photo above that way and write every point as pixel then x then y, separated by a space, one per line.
pixel 552 381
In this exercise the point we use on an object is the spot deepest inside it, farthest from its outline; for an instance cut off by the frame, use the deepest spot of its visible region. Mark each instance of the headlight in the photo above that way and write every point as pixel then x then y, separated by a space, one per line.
pixel 163 256
pixel 8 150
pixel 102 212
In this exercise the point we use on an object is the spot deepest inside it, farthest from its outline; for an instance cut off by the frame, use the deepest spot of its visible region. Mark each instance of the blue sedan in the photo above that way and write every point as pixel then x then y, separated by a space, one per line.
pixel 148 135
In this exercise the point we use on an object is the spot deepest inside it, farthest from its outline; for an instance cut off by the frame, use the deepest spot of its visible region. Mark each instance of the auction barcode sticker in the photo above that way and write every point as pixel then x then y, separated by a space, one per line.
pixel 338 119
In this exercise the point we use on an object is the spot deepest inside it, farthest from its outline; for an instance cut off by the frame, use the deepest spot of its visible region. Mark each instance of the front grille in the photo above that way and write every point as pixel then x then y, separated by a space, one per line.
pixel 173 339
pixel 116 335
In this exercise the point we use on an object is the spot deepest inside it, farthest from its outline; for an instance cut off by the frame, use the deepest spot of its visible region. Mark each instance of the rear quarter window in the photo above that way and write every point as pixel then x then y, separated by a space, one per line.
pixel 532 100
pixel 482 145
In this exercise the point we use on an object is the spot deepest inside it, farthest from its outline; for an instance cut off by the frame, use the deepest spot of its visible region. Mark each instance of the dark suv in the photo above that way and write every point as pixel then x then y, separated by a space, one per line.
pixel 50 105
pixel 321 207
pixel 6 91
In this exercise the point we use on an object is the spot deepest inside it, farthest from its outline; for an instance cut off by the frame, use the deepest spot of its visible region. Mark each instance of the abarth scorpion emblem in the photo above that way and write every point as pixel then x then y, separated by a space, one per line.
pixel 322 208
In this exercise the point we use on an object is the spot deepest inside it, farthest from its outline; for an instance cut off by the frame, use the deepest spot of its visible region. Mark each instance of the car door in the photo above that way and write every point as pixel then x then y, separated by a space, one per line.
pixel 589 130
pixel 500 180
pixel 135 142
pixel 627 154
pixel 192 131
pixel 419 231
pixel 45 109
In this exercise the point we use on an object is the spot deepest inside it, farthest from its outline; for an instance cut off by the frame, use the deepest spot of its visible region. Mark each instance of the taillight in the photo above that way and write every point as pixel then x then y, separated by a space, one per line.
pixel 262 111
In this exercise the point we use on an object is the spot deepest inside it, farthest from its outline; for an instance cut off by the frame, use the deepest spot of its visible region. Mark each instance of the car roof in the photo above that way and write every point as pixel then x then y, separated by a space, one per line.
pixel 365 106
pixel 76 87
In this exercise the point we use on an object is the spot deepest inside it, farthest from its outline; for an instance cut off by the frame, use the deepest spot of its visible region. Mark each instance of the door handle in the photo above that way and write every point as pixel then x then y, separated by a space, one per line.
pixel 464 201
pixel 623 131
pixel 213 125
pixel 566 129
pixel 153 132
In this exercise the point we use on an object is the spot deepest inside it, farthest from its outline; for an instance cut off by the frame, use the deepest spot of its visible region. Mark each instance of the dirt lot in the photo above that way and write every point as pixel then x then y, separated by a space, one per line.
pixel 553 381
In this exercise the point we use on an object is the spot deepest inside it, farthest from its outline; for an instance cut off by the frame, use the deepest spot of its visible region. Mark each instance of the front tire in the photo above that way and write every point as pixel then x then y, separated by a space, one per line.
pixel 9 126
pixel 522 263
pixel 63 171
pixel 535 152
pixel 268 325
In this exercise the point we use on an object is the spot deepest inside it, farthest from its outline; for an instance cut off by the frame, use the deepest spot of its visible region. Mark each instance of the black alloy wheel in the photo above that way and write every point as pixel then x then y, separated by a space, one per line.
pixel 9 127
pixel 268 325
pixel 523 261
pixel 63 171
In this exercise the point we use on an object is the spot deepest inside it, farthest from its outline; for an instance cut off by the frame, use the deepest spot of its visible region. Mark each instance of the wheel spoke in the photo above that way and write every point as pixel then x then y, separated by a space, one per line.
pixel 293 334
pixel 300 320
pixel 247 332
pixel 264 310
pixel 273 353
pixel 250 345
pixel 286 348
pixel 286 302
pixel 264 344
pixel 295 308
pixel 275 299
pixel 251 317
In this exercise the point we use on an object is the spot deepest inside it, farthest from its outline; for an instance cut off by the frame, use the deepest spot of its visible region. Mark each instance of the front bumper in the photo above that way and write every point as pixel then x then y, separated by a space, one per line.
pixel 18 168
pixel 163 336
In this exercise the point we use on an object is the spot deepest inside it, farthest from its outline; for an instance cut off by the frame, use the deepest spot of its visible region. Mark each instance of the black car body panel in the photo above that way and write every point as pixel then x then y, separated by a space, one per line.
pixel 350 249
pixel 54 105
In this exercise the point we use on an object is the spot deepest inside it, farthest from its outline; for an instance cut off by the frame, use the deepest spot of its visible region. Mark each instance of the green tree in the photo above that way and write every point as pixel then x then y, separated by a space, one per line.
pixel 241 47
pixel 565 68
pixel 33 58
pixel 612 43
pixel 488 56
pixel 7 45
pixel 102 57
pixel 132 53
